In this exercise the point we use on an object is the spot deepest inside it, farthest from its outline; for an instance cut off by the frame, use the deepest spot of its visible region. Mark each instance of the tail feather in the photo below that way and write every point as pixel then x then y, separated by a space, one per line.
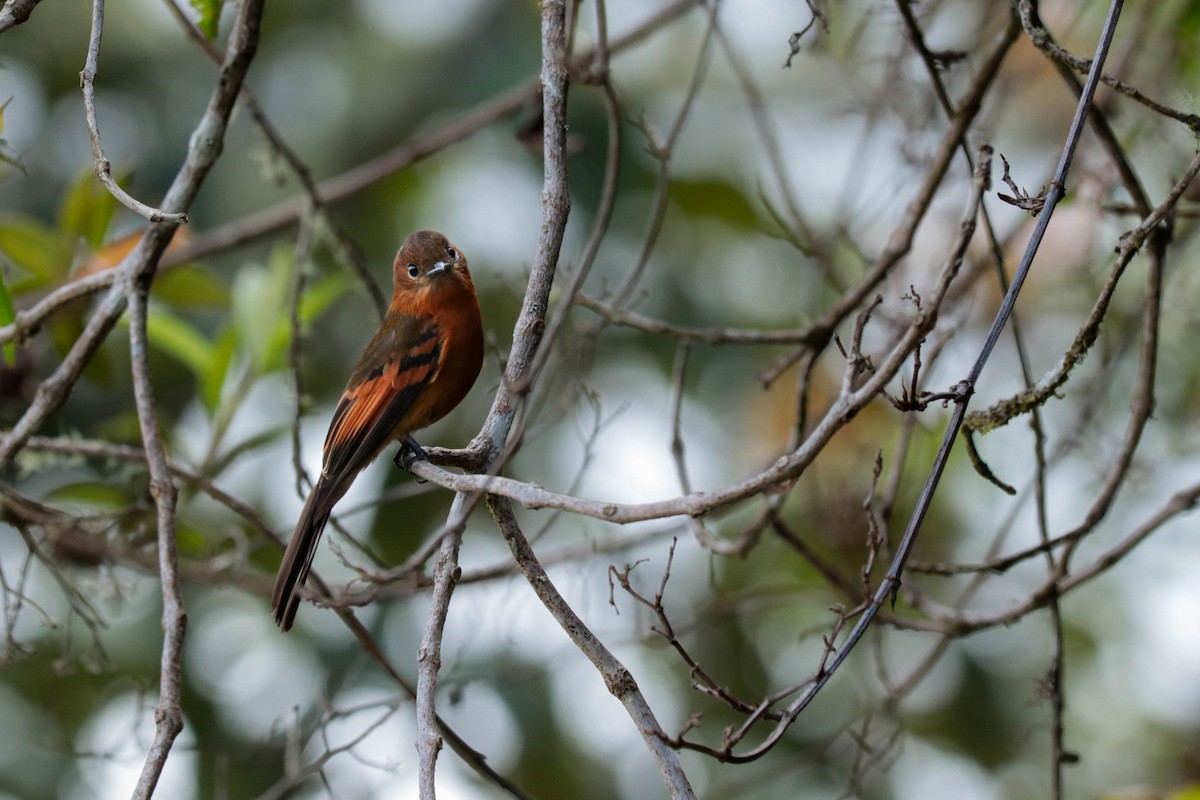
pixel 300 551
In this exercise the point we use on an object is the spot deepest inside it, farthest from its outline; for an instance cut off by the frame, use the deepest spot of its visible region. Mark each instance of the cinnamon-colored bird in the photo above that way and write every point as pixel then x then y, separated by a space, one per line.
pixel 418 366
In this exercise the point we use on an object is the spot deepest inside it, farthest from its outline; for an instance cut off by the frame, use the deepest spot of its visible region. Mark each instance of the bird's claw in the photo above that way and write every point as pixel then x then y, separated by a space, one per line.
pixel 409 453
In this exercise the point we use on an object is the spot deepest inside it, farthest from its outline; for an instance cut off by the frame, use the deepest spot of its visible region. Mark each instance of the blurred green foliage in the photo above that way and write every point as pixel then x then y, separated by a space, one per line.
pixel 347 82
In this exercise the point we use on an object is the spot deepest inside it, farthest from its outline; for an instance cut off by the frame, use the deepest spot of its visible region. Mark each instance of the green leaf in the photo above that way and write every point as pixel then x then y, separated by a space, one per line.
pixel 261 439
pixel 322 295
pixel 213 380
pixel 92 493
pixel 312 305
pixel 210 16
pixel 36 248
pixel 9 155
pixel 190 286
pixel 716 199
pixel 87 209
pixel 122 427
pixel 179 339
pixel 260 308
pixel 7 315
pixel 259 302
pixel 192 542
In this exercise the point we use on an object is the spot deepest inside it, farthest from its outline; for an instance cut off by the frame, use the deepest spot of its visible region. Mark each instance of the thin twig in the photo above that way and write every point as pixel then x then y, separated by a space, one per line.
pixel 663 151
pixel 302 252
pixel 87 82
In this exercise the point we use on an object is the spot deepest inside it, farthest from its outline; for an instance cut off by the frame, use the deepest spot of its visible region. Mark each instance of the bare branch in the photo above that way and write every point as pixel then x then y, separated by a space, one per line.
pixel 1004 411
pixel 168 717
pixel 818 18
pixel 1041 39
pixel 620 682
pixel 891 582
pixel 87 81
pixel 15 12
pixel 834 657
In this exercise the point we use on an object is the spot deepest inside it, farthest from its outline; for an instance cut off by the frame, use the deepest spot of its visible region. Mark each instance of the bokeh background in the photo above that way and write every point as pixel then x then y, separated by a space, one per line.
pixel 759 233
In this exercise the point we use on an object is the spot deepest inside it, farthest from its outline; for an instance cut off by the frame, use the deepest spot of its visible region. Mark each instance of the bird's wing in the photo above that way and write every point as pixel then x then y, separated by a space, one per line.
pixel 399 362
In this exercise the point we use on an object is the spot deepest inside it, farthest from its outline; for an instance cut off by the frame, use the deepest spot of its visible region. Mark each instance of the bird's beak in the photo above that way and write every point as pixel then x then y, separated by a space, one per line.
pixel 439 266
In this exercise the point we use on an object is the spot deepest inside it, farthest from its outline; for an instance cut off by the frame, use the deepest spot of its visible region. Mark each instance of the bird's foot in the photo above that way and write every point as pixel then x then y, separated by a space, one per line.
pixel 409 453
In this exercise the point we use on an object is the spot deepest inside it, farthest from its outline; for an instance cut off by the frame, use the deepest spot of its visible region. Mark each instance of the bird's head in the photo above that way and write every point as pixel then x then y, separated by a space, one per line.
pixel 426 260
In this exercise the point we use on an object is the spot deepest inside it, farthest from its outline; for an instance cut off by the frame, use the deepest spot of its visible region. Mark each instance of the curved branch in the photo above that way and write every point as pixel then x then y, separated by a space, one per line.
pixel 87 82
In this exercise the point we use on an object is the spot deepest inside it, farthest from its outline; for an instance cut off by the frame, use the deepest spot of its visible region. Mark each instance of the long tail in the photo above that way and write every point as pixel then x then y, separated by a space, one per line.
pixel 300 550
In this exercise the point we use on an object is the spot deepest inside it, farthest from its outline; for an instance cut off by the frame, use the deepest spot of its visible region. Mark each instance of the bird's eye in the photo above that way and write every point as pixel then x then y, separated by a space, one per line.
pixel 450 251
pixel 413 271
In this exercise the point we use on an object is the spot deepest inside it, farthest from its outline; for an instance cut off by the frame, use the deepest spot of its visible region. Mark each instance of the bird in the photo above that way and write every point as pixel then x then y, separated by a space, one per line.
pixel 418 366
